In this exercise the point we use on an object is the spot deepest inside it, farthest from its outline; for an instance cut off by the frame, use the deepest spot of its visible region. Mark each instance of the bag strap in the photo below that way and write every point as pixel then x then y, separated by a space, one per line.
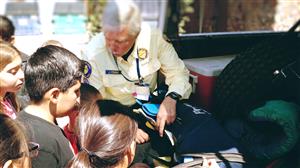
pixel 219 157
pixel 233 157
pixel 197 162
pixel 294 27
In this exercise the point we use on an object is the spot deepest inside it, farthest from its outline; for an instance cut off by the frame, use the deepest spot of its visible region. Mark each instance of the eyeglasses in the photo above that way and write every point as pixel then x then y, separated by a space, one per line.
pixel 125 41
pixel 33 149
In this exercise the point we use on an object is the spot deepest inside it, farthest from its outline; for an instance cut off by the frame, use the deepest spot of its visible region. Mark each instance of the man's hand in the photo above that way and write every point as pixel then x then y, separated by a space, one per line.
pixel 141 136
pixel 166 114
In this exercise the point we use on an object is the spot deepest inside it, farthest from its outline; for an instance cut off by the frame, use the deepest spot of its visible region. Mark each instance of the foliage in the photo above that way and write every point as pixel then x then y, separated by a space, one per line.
pixel 95 10
pixel 186 7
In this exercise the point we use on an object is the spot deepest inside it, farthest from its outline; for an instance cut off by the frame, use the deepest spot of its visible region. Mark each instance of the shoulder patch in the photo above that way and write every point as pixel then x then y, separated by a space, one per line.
pixel 87 69
pixel 142 53
pixel 85 80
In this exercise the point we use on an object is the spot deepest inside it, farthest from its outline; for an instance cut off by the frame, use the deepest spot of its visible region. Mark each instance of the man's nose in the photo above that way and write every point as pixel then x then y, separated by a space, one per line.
pixel 114 47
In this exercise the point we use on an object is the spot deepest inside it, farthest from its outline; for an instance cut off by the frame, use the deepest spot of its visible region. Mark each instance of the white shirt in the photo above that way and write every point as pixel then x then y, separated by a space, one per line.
pixel 161 55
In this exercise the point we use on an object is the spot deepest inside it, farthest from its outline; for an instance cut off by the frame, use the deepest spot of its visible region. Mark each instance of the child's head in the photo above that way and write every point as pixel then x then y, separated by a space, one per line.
pixel 11 74
pixel 108 141
pixel 52 42
pixel 7 29
pixel 53 73
pixel 88 94
pixel 13 144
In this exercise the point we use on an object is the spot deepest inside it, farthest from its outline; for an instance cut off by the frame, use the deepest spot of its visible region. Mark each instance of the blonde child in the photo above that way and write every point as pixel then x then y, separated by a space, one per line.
pixel 11 78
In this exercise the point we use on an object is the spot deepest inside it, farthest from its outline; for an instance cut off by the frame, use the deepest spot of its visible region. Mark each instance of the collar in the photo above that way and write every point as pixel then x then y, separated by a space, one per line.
pixel 125 57
pixel 143 40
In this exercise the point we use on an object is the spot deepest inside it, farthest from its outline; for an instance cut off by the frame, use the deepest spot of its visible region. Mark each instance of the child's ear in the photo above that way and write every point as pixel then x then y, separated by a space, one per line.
pixel 131 152
pixel 12 40
pixel 53 95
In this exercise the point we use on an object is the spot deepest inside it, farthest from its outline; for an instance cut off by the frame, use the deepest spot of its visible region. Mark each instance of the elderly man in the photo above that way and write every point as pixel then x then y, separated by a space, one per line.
pixel 125 58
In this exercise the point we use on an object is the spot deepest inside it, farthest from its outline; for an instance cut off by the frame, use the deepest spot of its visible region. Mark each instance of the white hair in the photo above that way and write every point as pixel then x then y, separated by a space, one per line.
pixel 121 13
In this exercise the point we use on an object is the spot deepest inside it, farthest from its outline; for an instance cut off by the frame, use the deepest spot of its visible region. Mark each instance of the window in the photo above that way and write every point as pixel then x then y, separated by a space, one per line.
pixel 237 15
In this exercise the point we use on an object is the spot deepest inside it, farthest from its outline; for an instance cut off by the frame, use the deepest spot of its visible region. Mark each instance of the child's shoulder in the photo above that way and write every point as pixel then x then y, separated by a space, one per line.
pixel 23 116
pixel 36 124
pixel 40 130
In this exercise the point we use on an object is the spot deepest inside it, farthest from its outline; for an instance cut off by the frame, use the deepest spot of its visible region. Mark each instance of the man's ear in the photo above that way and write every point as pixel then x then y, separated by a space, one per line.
pixel 53 95
pixel 7 164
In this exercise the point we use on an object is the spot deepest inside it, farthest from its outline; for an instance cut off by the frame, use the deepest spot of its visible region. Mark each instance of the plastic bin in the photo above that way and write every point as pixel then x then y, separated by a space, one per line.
pixel 203 73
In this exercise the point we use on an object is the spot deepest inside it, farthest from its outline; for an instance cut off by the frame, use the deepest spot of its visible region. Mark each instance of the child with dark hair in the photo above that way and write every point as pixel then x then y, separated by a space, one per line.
pixel 7 33
pixel 13 145
pixel 11 78
pixel 52 79
pixel 7 29
pixel 52 42
pixel 108 141
pixel 88 95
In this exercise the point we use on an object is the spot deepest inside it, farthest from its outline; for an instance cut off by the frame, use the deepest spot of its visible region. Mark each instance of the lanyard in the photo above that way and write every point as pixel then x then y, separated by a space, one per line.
pixel 138 71
pixel 140 78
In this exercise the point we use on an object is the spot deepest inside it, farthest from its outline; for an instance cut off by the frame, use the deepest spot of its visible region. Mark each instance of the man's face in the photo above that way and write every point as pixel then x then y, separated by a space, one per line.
pixel 119 42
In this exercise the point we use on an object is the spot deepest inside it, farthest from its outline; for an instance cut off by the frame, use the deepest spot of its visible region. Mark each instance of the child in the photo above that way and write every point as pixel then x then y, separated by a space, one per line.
pixel 107 141
pixel 88 94
pixel 52 42
pixel 7 29
pixel 11 78
pixel 7 33
pixel 13 145
pixel 52 79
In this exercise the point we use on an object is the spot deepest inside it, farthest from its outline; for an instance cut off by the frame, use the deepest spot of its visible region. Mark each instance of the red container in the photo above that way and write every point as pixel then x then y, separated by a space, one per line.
pixel 203 73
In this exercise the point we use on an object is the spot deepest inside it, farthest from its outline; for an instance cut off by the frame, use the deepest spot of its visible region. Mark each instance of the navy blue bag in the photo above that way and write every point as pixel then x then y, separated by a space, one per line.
pixel 194 131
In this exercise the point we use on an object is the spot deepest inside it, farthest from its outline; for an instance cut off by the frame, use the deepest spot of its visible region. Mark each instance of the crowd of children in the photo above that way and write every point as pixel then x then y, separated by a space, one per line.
pixel 54 90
